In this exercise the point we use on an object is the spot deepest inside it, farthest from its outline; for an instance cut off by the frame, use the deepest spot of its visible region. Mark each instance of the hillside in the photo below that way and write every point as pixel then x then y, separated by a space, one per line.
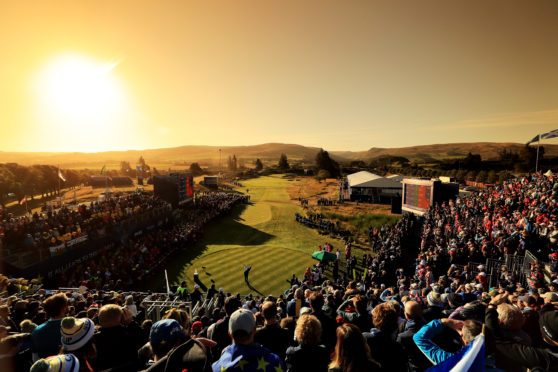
pixel 269 152
pixel 420 154
pixel 166 156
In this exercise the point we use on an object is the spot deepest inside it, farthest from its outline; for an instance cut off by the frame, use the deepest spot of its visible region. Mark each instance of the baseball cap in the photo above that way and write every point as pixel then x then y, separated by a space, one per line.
pixel 165 331
pixel 242 320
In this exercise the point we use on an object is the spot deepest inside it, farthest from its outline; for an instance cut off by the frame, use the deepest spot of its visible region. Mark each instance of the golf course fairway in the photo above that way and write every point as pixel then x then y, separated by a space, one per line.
pixel 262 234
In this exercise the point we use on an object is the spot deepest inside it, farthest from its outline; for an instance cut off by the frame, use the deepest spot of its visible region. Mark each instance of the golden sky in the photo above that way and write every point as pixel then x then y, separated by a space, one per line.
pixel 343 75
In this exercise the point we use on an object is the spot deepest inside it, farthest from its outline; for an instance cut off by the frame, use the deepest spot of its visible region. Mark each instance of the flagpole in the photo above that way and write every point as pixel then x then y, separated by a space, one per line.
pixel 537 161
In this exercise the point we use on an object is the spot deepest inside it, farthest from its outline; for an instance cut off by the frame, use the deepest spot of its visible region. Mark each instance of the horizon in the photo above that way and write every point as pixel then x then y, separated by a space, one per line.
pixel 275 143
pixel 102 76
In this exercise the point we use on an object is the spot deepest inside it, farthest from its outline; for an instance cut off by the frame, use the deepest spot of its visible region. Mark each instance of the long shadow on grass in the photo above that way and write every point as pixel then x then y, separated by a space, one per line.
pixel 230 231
pixel 226 230
pixel 253 289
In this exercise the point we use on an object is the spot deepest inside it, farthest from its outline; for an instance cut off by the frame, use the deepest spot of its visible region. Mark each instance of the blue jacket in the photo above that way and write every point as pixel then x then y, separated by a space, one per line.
pixel 248 358
pixel 423 339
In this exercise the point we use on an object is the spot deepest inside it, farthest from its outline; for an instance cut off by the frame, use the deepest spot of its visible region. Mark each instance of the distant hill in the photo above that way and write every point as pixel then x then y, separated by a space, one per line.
pixel 165 156
pixel 426 153
pixel 270 152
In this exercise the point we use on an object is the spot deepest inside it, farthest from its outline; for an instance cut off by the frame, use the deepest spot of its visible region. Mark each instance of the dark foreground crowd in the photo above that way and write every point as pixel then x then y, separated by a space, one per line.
pixel 397 312
pixel 309 328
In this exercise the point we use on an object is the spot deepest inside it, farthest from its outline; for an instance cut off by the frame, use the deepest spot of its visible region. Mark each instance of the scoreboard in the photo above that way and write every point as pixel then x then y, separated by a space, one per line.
pixel 176 188
pixel 419 195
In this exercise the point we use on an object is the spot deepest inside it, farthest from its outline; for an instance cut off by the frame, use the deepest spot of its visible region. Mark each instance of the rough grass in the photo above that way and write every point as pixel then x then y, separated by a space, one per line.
pixel 361 222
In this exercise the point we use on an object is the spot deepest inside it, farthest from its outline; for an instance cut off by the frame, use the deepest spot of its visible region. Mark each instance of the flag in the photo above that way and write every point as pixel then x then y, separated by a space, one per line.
pixel 23 200
pixel 139 169
pixel 61 175
pixel 469 358
pixel 535 139
pixel 103 169
pixel 551 134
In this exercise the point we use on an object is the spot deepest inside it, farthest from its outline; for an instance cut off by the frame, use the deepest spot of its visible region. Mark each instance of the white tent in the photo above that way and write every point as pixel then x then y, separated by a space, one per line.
pixel 367 179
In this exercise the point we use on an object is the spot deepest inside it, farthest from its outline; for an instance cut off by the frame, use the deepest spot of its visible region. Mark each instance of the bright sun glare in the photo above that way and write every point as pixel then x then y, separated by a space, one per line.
pixel 79 95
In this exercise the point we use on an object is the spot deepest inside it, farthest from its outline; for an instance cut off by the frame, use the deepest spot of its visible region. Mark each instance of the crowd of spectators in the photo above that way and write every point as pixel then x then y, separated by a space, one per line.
pixel 129 264
pixel 52 228
pixel 318 221
pixel 404 308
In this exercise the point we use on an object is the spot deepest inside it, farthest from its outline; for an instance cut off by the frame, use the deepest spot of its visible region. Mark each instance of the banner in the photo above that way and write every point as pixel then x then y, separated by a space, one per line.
pixel 56 250
pixel 62 248
pixel 75 241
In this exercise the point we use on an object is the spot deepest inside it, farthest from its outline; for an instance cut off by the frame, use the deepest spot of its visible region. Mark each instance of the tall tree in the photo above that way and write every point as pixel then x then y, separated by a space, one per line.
pixel 125 167
pixel 323 161
pixel 195 169
pixel 259 165
pixel 143 164
pixel 283 162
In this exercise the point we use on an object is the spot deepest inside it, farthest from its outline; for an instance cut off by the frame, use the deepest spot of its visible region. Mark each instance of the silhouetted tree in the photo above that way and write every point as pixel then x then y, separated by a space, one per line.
pixel 143 164
pixel 195 169
pixel 259 165
pixel 283 162
pixel 125 167
pixel 323 161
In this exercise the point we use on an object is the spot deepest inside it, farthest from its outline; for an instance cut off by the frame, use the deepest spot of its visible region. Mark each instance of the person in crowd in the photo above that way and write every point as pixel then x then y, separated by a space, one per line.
pixel 118 339
pixel 5 318
pixel 175 350
pixel 308 355
pixel 355 311
pixel 244 354
pixel 45 339
pixel 131 306
pixel 11 358
pixel 328 324
pixel 468 330
pixel 383 347
pixel 77 339
pixel 221 330
pixel 511 353
pixel 527 304
pixel 417 361
pixel 297 303
pixel 352 353
pixel 272 336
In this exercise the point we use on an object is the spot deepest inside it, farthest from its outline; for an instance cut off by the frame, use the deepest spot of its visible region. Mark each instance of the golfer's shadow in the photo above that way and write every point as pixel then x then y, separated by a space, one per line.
pixel 252 288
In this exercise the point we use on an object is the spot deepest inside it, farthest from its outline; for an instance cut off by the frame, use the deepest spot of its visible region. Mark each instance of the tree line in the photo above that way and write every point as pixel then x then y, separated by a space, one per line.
pixel 19 181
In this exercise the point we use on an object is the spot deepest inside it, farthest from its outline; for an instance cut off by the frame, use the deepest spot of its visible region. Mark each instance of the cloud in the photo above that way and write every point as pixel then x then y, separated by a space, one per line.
pixel 507 120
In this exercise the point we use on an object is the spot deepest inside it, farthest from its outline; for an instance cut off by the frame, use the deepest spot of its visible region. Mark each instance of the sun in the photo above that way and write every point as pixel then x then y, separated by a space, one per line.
pixel 78 96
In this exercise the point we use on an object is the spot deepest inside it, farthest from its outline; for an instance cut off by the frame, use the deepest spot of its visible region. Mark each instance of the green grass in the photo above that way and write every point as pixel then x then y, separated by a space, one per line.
pixel 263 234
pixel 361 222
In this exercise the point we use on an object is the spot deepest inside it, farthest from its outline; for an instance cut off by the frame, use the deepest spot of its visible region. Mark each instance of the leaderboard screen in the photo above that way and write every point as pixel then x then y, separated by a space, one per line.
pixel 417 196
pixel 185 185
